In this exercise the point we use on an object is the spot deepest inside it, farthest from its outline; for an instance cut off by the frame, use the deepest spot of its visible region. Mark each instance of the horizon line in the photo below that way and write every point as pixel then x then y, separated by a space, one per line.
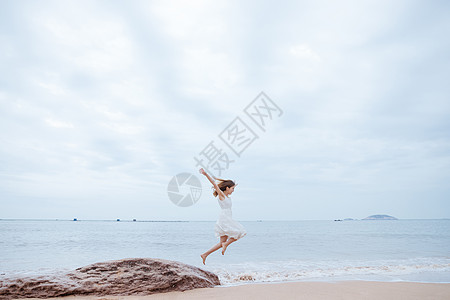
pixel 148 220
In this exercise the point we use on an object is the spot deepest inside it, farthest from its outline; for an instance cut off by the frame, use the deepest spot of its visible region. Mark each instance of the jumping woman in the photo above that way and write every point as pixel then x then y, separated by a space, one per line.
pixel 226 228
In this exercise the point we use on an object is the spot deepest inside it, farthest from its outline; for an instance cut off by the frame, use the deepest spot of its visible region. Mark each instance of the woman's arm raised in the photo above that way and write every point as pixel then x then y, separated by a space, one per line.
pixel 219 192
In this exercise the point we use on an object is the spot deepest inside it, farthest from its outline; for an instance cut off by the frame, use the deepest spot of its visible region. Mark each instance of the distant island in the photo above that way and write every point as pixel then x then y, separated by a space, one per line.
pixel 380 217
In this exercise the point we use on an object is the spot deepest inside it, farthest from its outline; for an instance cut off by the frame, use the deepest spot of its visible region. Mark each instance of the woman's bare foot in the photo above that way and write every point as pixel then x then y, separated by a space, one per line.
pixel 203 257
pixel 224 247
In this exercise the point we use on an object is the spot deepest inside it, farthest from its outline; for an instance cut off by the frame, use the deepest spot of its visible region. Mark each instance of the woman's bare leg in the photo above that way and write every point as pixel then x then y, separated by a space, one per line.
pixel 214 248
pixel 226 244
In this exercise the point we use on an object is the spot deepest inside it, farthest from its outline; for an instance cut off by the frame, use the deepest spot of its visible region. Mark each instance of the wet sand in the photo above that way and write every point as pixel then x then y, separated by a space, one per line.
pixel 366 290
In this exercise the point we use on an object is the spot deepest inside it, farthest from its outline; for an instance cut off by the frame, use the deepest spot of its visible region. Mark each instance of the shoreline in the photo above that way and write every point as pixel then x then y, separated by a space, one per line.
pixel 311 290
pixel 328 281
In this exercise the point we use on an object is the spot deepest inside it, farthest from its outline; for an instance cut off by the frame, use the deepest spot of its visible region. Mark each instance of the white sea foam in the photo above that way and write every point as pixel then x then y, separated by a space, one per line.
pixel 295 270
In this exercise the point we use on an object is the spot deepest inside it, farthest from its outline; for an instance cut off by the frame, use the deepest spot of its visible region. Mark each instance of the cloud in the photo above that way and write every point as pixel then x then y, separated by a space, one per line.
pixel 102 103
pixel 304 52
pixel 58 124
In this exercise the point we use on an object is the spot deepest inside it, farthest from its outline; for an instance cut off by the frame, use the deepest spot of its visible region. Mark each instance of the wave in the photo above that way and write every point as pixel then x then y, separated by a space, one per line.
pixel 422 270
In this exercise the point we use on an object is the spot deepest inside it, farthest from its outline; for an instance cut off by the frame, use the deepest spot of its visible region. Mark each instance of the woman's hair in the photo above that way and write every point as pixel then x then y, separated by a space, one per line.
pixel 223 184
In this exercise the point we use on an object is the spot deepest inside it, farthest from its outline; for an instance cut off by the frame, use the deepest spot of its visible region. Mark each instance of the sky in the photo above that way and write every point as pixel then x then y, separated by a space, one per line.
pixel 102 103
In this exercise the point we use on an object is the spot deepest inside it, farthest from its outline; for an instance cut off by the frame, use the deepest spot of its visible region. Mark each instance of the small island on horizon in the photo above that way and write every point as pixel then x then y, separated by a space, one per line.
pixel 372 217
pixel 380 217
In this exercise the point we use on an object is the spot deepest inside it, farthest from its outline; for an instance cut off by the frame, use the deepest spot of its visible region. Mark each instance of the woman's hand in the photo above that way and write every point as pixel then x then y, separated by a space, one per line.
pixel 216 187
pixel 202 171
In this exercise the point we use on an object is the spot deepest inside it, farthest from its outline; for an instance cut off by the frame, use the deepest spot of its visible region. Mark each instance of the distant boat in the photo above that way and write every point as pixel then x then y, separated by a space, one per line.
pixel 75 219
pixel 380 217
pixel 118 220
pixel 134 220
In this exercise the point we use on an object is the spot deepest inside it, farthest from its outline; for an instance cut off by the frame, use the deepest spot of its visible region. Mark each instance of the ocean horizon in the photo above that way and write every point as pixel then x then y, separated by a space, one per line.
pixel 150 220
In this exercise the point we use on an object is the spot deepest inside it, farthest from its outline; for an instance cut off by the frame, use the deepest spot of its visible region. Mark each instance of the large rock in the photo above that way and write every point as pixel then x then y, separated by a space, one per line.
pixel 131 276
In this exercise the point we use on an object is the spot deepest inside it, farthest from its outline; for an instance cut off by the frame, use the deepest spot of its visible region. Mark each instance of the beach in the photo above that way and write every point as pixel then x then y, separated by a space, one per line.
pixel 366 290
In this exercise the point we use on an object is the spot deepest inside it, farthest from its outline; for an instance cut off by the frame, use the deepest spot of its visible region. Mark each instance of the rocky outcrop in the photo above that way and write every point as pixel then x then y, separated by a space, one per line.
pixel 380 217
pixel 131 276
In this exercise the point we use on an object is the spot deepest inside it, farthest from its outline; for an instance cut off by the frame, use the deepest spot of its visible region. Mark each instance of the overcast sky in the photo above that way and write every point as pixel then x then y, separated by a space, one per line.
pixel 103 102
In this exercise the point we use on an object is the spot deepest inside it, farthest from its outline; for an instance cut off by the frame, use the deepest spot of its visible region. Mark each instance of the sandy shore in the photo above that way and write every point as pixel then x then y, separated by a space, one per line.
pixel 366 290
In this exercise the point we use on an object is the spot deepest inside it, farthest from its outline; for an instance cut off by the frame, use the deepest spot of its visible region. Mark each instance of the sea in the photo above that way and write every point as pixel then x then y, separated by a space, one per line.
pixel 272 251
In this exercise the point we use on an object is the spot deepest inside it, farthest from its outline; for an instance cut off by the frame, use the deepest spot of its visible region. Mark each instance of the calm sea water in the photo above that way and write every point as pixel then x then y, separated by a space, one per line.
pixel 272 251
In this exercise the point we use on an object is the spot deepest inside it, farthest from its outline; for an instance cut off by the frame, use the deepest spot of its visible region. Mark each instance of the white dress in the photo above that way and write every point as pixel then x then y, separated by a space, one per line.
pixel 225 225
